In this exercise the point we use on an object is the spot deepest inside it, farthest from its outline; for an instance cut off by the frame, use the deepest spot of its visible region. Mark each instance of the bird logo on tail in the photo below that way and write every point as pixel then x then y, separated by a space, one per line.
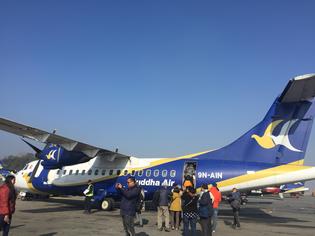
pixel 268 140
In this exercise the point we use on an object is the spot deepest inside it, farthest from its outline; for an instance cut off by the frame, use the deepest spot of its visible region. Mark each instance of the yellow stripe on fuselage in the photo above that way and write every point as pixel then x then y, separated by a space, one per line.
pixel 290 167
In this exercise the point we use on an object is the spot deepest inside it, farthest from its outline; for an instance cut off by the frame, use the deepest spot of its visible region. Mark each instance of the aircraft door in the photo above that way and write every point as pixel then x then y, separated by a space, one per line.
pixel 189 174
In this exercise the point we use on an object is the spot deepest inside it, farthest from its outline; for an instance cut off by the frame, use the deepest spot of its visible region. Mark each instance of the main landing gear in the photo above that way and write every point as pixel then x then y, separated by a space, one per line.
pixel 107 204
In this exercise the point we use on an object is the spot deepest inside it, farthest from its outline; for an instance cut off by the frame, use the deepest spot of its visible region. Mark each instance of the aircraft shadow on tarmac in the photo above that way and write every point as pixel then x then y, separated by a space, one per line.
pixel 58 205
pixel 49 234
pixel 256 215
pixel 16 226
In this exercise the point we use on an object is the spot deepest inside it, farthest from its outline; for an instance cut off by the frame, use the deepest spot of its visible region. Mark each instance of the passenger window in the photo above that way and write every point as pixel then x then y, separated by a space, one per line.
pixel 83 172
pixel 148 173
pixel 76 172
pixel 140 173
pixel 103 172
pixel 156 173
pixel 133 173
pixel 89 172
pixel 96 172
pixel 111 172
pixel 58 172
pixel 173 173
pixel 164 173
pixel 64 172
pixel 70 173
pixel 126 172
pixel 118 172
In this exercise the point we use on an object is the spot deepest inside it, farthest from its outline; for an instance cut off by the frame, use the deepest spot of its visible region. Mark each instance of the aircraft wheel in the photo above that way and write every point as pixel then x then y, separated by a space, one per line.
pixel 107 204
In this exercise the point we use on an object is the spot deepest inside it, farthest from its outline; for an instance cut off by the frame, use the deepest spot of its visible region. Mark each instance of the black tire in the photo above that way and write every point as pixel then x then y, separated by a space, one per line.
pixel 107 204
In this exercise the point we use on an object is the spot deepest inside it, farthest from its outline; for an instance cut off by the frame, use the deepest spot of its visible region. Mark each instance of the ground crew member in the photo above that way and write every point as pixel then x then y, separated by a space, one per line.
pixel 88 192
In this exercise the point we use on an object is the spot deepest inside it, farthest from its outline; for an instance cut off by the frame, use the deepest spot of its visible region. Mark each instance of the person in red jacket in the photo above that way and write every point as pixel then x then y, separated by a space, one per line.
pixel 7 203
pixel 217 199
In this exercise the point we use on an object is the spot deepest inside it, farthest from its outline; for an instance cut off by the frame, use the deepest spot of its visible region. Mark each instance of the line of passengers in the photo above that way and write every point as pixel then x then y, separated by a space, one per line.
pixel 176 205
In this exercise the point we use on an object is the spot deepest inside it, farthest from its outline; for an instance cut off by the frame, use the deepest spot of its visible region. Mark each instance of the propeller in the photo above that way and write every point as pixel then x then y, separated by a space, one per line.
pixel 37 150
pixel 37 154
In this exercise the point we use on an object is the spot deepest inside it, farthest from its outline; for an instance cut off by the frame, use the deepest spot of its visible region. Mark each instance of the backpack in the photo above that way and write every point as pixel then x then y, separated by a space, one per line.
pixel 236 201
pixel 205 209
pixel 236 204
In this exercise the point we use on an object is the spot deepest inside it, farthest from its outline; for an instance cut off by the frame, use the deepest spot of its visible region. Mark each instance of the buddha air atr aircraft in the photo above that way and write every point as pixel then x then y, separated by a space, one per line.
pixel 270 154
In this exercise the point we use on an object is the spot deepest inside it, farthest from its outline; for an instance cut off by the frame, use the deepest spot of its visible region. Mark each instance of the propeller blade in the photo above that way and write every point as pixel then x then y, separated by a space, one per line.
pixel 34 172
pixel 37 150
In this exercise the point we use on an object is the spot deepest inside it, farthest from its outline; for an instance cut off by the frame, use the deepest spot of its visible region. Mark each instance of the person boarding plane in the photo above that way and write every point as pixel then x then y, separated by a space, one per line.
pixel 270 154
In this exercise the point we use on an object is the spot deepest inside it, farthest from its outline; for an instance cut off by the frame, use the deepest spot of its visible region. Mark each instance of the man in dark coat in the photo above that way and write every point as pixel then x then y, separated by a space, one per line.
pixel 129 199
pixel 235 202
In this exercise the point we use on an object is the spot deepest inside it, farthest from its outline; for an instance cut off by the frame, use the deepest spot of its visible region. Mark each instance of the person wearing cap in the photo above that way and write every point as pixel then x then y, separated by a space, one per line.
pixel 216 201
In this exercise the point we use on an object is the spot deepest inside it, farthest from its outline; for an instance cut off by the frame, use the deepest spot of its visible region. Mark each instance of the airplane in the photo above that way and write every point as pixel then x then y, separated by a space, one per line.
pixel 292 188
pixel 4 172
pixel 270 154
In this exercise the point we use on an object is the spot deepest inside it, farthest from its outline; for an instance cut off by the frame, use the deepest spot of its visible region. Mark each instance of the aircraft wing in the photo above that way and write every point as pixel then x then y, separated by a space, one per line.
pixel 46 137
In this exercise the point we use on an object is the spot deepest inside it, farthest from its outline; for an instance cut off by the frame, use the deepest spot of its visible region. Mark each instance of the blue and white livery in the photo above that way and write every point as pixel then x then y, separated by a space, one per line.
pixel 270 154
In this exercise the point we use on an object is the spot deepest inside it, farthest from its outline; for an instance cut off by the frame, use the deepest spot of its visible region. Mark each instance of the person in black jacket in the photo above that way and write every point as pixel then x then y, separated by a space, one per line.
pixel 235 202
pixel 129 199
pixel 205 210
pixel 190 210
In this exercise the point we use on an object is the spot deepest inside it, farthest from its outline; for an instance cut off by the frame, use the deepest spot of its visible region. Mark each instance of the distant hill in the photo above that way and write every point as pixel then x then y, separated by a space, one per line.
pixel 17 162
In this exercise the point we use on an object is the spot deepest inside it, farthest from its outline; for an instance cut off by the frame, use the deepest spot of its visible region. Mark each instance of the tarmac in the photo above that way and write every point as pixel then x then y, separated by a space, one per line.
pixel 260 216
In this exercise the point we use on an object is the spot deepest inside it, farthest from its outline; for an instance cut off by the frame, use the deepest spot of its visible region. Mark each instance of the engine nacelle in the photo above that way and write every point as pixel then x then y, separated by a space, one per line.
pixel 55 157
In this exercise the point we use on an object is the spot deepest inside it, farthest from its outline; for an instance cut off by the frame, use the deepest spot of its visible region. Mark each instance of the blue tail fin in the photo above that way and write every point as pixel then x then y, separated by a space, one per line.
pixel 282 136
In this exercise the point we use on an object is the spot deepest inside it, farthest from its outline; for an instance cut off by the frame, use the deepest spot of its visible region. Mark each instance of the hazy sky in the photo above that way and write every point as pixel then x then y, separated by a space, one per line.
pixel 154 78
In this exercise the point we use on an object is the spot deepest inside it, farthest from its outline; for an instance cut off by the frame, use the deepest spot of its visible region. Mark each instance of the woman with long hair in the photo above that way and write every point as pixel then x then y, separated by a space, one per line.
pixel 7 203
pixel 190 211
